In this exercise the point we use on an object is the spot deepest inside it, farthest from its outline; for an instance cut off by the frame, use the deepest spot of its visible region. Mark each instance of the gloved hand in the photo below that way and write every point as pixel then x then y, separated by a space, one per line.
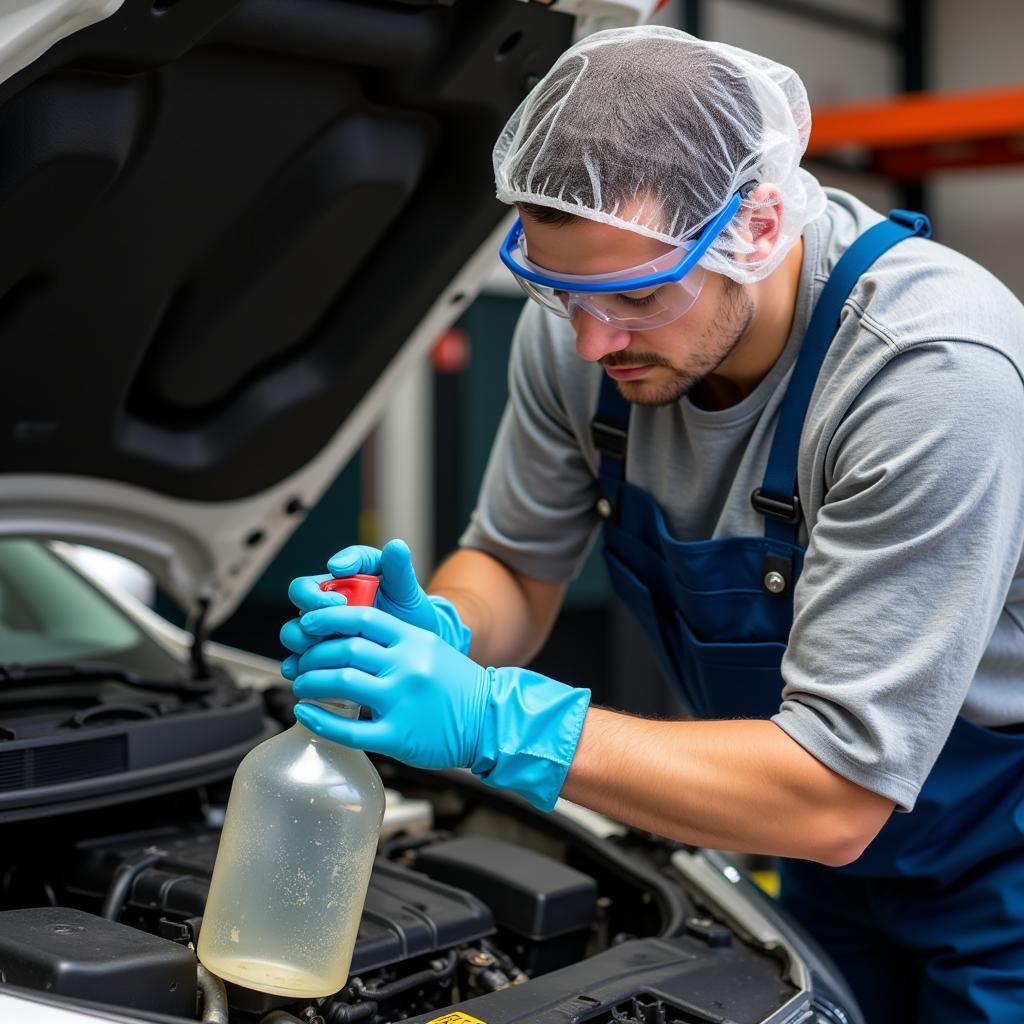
pixel 399 594
pixel 433 707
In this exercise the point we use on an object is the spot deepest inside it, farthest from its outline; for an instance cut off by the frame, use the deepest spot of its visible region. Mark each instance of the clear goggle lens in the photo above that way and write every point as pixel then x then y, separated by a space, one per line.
pixel 644 309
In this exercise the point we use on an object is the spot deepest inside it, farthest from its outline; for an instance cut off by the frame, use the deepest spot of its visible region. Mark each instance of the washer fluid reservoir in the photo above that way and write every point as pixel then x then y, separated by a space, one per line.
pixel 293 866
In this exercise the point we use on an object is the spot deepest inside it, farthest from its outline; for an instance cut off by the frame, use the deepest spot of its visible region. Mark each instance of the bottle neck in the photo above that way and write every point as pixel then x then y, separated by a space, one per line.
pixel 341 708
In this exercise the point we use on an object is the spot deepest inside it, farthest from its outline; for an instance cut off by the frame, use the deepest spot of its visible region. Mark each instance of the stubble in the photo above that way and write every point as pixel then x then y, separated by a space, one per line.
pixel 715 344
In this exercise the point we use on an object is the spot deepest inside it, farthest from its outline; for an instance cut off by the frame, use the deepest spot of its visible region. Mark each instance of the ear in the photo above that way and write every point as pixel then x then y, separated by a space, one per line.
pixel 762 222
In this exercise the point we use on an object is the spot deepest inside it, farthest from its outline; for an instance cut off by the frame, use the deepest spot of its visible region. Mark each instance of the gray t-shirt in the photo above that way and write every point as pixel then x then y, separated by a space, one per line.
pixel 910 607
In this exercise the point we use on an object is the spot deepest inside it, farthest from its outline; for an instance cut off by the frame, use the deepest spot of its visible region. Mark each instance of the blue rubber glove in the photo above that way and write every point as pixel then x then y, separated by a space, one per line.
pixel 400 594
pixel 433 707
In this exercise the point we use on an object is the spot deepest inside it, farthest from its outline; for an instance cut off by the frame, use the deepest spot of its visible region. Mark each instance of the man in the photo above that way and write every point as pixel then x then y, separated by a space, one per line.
pixel 800 428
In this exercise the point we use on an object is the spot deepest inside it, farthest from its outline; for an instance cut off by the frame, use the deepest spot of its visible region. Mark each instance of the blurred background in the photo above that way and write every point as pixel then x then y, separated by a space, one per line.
pixel 847 52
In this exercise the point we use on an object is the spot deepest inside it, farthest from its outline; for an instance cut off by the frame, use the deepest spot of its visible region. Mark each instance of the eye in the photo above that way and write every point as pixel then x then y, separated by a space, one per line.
pixel 637 299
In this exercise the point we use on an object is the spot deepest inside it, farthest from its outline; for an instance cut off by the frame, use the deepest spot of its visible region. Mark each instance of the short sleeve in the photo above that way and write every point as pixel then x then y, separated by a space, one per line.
pixel 908 564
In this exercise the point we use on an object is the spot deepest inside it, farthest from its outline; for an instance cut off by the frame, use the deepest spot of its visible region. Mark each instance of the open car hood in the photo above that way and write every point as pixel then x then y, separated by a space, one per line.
pixel 228 225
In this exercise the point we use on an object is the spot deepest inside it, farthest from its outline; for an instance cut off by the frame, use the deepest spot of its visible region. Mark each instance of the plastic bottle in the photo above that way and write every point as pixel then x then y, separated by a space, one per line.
pixel 293 866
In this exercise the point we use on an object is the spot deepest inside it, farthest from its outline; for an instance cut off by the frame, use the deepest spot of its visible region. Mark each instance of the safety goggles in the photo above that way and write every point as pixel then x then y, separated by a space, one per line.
pixel 639 298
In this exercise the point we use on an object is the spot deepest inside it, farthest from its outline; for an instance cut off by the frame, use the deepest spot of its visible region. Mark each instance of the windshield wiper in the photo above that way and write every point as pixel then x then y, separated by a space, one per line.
pixel 14 675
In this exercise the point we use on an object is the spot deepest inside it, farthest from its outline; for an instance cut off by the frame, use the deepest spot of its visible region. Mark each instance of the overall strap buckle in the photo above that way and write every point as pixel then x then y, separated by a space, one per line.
pixel 609 440
pixel 776 508
pixel 609 430
pixel 782 514
pixel 916 222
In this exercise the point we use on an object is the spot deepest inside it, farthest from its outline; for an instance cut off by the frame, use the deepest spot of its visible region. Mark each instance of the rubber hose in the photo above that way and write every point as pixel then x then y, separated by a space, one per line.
pixel 348 1013
pixel 280 1017
pixel 121 884
pixel 215 996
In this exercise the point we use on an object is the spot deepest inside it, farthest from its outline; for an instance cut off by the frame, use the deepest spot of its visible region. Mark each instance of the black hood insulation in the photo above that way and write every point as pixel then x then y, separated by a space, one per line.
pixel 223 218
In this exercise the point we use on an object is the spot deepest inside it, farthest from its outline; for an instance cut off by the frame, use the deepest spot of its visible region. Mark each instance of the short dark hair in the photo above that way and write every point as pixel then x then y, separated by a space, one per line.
pixel 546 214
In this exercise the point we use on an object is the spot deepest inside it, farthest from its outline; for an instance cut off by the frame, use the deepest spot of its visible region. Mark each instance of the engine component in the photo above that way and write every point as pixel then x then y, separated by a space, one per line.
pixel 72 953
pixel 405 817
pixel 547 907
pixel 440 970
pixel 488 970
pixel 645 981
pixel 406 915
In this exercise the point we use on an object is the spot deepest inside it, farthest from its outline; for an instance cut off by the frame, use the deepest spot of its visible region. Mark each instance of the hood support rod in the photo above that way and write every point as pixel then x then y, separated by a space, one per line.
pixel 197 626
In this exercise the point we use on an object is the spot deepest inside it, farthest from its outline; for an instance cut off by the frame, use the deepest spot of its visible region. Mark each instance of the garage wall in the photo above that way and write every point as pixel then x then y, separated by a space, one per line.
pixel 973 45
pixel 834 65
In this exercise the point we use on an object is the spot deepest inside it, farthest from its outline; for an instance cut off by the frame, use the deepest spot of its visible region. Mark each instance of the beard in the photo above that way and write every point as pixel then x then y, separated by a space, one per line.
pixel 715 344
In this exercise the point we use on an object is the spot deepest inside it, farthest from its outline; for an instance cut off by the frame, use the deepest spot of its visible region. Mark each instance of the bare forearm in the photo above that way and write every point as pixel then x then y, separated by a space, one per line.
pixel 733 785
pixel 509 617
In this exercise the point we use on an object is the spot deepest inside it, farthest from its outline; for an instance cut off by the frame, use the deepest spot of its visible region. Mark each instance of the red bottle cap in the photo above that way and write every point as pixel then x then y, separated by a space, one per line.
pixel 359 589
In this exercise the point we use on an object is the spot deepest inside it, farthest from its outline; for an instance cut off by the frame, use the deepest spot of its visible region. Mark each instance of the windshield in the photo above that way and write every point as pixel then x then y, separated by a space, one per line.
pixel 49 613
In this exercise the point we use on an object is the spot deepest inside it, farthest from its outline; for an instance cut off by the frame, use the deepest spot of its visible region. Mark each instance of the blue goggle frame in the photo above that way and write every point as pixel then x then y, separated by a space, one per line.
pixel 690 259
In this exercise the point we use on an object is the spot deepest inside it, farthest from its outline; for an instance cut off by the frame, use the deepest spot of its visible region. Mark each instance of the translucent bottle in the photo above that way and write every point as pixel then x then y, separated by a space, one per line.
pixel 294 861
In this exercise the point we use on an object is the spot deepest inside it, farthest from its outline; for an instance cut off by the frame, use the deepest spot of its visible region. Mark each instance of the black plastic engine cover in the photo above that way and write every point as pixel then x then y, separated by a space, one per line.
pixel 530 894
pixel 57 949
pixel 544 909
pixel 406 915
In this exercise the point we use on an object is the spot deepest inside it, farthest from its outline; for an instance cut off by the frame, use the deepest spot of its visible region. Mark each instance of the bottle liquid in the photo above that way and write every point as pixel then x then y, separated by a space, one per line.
pixel 293 866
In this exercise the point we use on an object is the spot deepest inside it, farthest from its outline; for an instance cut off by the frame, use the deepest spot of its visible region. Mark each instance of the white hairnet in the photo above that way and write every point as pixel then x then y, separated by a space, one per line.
pixel 652 130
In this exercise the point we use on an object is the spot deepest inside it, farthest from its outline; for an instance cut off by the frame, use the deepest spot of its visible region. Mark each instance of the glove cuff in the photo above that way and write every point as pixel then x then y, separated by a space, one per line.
pixel 450 628
pixel 531 726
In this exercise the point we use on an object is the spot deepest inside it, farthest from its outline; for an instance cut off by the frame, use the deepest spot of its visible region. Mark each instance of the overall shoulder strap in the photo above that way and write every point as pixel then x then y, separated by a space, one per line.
pixel 776 498
pixel 609 430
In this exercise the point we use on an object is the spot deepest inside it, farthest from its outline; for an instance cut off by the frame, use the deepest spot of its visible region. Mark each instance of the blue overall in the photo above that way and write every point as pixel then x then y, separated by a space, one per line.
pixel 928 924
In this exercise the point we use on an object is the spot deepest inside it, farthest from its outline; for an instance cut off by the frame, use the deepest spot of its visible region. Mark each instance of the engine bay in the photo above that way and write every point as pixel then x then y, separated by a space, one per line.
pixel 478 908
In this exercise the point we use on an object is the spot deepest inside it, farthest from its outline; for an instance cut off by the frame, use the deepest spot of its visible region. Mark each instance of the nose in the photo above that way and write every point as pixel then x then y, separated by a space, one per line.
pixel 595 339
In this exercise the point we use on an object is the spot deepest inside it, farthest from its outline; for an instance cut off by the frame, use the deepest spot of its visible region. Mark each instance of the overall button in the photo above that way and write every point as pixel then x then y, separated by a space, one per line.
pixel 774 582
pixel 604 508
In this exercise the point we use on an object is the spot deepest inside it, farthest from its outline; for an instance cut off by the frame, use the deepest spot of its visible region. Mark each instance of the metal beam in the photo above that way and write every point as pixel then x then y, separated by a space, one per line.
pixel 693 17
pixel 849 23
pixel 914 194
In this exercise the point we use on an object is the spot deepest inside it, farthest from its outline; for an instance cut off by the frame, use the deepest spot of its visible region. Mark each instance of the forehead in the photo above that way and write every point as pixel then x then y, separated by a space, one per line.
pixel 588 247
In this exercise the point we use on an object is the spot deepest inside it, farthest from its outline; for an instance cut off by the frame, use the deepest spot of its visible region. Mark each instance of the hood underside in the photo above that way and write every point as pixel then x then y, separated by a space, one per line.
pixel 227 224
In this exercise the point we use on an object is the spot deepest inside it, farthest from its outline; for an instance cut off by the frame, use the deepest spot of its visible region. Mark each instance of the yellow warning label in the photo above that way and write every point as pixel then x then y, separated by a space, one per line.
pixel 456 1017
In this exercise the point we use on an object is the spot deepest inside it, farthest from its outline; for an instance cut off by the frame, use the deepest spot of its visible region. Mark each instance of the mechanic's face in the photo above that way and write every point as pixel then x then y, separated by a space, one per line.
pixel 657 366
